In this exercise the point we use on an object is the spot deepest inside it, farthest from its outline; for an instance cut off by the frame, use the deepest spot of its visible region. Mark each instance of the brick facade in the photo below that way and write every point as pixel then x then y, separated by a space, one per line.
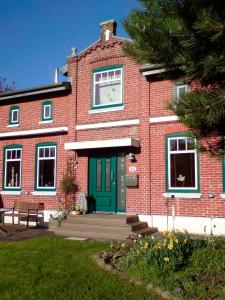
pixel 144 98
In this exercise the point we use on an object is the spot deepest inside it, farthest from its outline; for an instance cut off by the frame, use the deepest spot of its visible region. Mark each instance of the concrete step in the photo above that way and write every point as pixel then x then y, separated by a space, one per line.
pixel 97 228
pixel 91 235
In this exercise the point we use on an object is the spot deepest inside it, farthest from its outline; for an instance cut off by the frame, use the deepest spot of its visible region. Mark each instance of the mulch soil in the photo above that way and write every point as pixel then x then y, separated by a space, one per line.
pixel 14 233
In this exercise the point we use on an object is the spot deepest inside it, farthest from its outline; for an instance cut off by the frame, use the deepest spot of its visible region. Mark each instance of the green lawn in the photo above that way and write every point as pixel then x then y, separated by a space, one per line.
pixel 55 268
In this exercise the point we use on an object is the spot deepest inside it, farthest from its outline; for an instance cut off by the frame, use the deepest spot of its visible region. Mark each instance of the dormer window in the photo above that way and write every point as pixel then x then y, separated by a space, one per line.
pixel 47 111
pixel 107 87
pixel 14 115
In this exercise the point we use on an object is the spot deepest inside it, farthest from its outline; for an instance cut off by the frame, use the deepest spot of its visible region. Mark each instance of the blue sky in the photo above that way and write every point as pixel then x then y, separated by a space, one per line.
pixel 37 35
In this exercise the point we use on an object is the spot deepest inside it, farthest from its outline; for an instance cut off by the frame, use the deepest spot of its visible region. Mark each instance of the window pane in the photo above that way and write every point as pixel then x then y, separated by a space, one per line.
pixel 182 170
pixel 52 151
pixel 182 90
pixel 13 174
pixel 46 152
pixel 13 154
pixel 182 144
pixel 107 175
pixel 47 113
pixel 173 145
pixel 18 154
pixel 117 73
pixel 41 152
pixel 111 75
pixel 104 76
pixel 108 93
pixel 99 176
pixel 190 144
pixel 15 115
pixel 9 152
pixel 97 76
pixel 46 173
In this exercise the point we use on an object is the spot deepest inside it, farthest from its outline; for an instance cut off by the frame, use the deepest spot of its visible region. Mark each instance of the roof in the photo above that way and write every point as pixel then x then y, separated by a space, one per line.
pixel 39 90
pixel 151 69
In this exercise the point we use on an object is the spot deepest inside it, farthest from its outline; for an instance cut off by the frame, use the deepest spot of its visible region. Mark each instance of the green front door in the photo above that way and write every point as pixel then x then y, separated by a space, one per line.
pixel 103 183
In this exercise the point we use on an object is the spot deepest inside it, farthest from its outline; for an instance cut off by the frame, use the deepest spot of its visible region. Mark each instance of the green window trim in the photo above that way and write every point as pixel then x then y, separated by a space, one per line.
pixel 11 147
pixel 93 99
pixel 37 147
pixel 14 109
pixel 197 166
pixel 46 104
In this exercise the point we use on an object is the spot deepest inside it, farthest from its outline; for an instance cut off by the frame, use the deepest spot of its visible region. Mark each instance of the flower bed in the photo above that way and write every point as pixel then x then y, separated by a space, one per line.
pixel 187 266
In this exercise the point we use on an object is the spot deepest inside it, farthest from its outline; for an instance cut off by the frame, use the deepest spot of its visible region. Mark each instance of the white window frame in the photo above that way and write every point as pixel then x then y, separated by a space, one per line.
pixel 45 158
pixel 180 86
pixel 105 81
pixel 44 111
pixel 6 165
pixel 182 152
pixel 17 119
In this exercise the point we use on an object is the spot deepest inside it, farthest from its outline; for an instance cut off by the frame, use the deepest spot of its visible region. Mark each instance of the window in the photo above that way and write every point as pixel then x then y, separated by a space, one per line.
pixel 46 167
pixel 180 89
pixel 107 87
pixel 14 115
pixel 12 167
pixel 182 165
pixel 46 111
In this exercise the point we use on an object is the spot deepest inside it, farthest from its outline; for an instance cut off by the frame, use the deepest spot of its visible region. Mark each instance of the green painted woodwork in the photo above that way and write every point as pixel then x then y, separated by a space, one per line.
pixel 103 183
pixel 13 146
pixel 43 118
pixel 12 108
pixel 37 146
pixel 121 182
pixel 172 190
pixel 102 69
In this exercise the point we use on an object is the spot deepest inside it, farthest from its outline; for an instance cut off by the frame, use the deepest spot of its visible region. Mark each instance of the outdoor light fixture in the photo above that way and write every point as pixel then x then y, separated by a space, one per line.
pixel 131 157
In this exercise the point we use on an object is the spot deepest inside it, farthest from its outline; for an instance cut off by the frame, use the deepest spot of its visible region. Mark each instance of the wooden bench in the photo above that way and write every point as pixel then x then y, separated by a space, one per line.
pixel 24 210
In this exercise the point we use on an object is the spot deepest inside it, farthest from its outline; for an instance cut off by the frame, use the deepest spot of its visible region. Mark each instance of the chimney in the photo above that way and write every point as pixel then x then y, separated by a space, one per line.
pixel 56 75
pixel 108 29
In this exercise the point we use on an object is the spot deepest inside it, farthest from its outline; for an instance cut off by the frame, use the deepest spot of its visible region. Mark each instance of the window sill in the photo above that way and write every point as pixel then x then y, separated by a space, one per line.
pixel 46 122
pixel 11 192
pixel 13 125
pixel 43 193
pixel 183 195
pixel 103 110
pixel 222 196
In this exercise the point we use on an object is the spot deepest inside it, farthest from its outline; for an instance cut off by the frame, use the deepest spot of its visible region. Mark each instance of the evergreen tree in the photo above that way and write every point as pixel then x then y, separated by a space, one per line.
pixel 187 38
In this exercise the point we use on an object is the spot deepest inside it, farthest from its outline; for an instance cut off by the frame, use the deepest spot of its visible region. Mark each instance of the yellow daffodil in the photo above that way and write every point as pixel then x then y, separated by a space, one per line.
pixel 176 241
pixel 166 259
pixel 146 245
pixel 185 241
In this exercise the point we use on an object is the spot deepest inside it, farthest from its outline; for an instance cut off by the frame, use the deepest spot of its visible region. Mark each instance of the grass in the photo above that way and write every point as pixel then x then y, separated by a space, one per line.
pixel 56 268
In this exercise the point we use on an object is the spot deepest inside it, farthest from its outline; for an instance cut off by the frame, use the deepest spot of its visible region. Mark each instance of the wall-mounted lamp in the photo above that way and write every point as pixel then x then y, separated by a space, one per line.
pixel 131 157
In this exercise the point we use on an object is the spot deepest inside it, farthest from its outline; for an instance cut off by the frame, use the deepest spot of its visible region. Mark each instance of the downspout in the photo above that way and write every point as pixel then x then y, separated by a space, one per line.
pixel 149 145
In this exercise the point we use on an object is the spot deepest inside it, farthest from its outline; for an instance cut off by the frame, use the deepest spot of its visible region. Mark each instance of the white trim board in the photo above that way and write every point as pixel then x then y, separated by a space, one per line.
pixel 108 124
pixel 105 110
pixel 125 142
pixel 34 132
pixel 163 119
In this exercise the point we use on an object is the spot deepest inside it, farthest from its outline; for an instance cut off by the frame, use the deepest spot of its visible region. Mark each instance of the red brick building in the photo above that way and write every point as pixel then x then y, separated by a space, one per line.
pixel 132 155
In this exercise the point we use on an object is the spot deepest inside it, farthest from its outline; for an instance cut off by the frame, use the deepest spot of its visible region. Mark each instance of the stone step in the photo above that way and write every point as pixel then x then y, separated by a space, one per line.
pixel 97 228
pixel 91 235
pixel 132 218
pixel 96 220
pixel 137 225
pixel 99 216
pixel 145 231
